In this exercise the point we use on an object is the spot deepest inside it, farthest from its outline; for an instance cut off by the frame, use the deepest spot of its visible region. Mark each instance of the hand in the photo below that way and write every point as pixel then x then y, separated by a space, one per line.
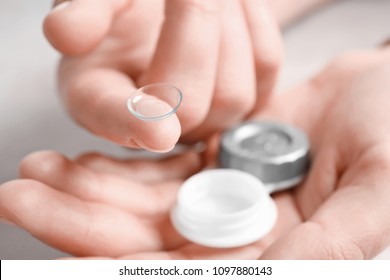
pixel 342 209
pixel 223 55
pixel 96 206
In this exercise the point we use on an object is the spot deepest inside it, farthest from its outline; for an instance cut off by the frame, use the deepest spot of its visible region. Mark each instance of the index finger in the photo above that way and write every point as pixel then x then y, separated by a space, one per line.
pixel 187 56
pixel 97 99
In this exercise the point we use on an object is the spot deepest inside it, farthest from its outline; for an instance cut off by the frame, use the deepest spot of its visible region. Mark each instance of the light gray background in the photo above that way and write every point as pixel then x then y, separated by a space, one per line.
pixel 31 116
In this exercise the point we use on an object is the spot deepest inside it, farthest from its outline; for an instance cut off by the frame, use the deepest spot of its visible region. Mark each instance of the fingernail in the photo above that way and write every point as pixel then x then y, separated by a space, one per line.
pixel 131 143
pixel 61 6
pixel 149 108
pixel 146 147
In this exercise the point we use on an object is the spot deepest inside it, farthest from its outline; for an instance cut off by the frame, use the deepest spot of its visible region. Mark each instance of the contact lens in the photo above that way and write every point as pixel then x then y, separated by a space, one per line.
pixel 155 102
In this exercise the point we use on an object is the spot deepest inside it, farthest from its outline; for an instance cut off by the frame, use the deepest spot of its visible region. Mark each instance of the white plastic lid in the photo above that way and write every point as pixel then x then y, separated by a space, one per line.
pixel 223 208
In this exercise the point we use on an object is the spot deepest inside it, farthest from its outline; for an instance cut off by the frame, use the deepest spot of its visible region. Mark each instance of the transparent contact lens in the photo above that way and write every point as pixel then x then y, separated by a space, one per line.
pixel 155 102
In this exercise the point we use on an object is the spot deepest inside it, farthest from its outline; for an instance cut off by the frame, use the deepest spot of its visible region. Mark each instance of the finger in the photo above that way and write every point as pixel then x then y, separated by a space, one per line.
pixel 97 99
pixel 235 89
pixel 321 181
pixel 329 159
pixel 267 46
pixel 75 27
pixel 186 56
pixel 73 226
pixel 353 223
pixel 178 167
pixel 305 104
pixel 302 106
pixel 57 171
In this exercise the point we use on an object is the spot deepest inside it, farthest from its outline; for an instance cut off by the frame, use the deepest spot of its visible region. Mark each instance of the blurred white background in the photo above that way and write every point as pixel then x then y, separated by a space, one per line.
pixel 32 118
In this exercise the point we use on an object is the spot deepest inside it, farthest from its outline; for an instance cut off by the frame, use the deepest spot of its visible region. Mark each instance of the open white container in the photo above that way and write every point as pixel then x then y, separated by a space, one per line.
pixel 223 208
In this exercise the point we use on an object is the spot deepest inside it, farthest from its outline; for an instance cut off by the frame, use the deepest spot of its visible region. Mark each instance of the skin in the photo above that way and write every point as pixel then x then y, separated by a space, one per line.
pixel 300 8
pixel 96 206
pixel 223 55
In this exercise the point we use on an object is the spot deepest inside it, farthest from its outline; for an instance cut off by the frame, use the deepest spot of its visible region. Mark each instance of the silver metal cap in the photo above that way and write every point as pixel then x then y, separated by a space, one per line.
pixel 276 153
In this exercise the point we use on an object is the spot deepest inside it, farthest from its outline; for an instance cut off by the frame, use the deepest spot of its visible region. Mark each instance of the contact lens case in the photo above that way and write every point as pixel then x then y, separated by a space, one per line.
pixel 231 206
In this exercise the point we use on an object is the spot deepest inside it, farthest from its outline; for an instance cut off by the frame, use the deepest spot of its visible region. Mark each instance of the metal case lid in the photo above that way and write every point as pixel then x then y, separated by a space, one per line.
pixel 275 152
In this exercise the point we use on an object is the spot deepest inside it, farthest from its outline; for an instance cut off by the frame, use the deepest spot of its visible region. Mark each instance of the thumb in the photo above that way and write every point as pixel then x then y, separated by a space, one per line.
pixel 76 27
pixel 353 223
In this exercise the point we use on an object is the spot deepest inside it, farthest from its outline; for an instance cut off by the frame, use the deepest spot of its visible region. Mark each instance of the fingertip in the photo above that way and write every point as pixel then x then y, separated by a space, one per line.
pixel 41 163
pixel 9 189
pixel 17 197
pixel 75 28
pixel 160 136
pixel 98 98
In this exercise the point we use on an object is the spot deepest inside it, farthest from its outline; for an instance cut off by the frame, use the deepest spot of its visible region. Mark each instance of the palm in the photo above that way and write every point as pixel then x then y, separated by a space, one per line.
pixel 350 165
pixel 111 208
pixel 119 214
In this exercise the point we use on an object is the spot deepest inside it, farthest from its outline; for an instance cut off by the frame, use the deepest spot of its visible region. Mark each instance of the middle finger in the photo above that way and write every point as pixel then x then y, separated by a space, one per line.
pixel 235 88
